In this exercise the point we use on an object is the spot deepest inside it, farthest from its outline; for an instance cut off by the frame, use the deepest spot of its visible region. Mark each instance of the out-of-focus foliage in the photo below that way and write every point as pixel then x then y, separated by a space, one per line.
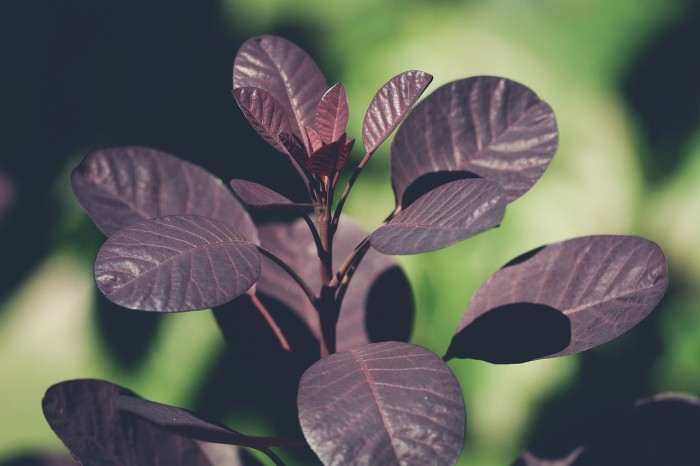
pixel 621 77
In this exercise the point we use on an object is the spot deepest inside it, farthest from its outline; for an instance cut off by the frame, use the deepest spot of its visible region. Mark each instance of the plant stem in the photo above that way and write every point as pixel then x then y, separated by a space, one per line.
pixel 295 276
pixel 348 187
pixel 356 256
pixel 270 321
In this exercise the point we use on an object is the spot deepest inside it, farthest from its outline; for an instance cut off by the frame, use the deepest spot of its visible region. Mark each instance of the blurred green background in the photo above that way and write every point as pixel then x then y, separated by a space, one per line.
pixel 623 78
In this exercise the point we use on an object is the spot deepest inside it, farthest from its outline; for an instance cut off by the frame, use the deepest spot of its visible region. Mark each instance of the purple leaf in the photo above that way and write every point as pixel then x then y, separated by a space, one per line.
pixel 124 185
pixel 285 71
pixel 83 415
pixel 390 105
pixel 364 312
pixel 493 127
pixel 264 113
pixel 176 263
pixel 332 114
pixel 605 285
pixel 446 215
pixel 182 422
pixel 382 404
pixel 261 197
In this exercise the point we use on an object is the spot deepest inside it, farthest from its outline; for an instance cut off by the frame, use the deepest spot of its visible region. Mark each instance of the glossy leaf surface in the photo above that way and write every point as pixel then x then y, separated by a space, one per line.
pixel 124 185
pixel 604 284
pixel 390 105
pixel 176 263
pixel 493 127
pixel 285 71
pixel 83 415
pixel 265 114
pixel 364 306
pixel 382 404
pixel 446 215
pixel 261 197
pixel 331 157
pixel 332 114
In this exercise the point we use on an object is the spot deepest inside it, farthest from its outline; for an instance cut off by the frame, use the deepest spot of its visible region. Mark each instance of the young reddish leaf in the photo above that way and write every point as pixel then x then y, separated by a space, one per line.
pixel 328 158
pixel 365 312
pixel 176 263
pixel 605 285
pixel 315 141
pixel 124 185
pixel 390 105
pixel 382 404
pixel 183 422
pixel 83 415
pixel 261 197
pixel 295 148
pixel 490 126
pixel 446 215
pixel 265 114
pixel 285 71
pixel 332 114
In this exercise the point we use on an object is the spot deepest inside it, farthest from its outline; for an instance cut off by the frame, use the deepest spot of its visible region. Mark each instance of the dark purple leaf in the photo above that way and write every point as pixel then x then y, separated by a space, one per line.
pixel 182 422
pixel 390 105
pixel 83 415
pixel 261 197
pixel 284 70
pixel 493 127
pixel 513 333
pixel 176 263
pixel 662 429
pixel 265 114
pixel 604 284
pixel 446 215
pixel 364 308
pixel 332 114
pixel 124 185
pixel 382 404
pixel 295 148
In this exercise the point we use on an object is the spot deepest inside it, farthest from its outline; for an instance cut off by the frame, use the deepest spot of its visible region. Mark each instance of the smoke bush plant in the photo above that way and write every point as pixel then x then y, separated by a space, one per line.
pixel 180 240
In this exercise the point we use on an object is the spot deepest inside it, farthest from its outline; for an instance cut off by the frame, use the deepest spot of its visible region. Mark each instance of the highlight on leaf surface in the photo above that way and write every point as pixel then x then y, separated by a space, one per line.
pixel 176 263
pixel 493 127
pixel 265 115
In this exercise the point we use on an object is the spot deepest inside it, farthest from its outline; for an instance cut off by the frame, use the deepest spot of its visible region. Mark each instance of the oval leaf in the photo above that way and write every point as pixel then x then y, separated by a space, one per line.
pixel 364 311
pixel 605 285
pixel 382 404
pixel 83 415
pixel 265 114
pixel 332 114
pixel 124 185
pixel 490 126
pixel 261 197
pixel 390 105
pixel 285 71
pixel 446 215
pixel 176 263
